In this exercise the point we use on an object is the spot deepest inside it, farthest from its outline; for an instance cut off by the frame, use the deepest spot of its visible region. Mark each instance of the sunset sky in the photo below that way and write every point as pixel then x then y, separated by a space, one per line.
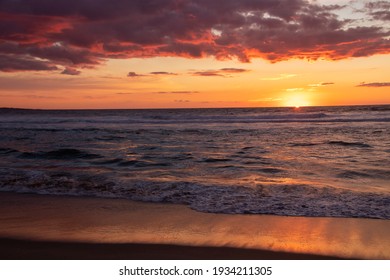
pixel 193 53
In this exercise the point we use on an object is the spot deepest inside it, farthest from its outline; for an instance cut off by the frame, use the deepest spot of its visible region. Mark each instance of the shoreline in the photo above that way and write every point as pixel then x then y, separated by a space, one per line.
pixel 43 226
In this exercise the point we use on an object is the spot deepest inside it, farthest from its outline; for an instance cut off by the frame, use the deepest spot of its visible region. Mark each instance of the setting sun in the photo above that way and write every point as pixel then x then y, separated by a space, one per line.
pixel 298 100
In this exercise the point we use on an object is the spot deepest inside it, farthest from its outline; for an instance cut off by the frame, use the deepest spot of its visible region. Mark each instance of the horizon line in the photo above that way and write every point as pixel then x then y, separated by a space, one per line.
pixel 190 108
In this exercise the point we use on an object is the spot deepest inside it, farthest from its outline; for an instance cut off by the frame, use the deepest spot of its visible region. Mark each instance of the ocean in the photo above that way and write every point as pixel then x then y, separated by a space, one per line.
pixel 310 161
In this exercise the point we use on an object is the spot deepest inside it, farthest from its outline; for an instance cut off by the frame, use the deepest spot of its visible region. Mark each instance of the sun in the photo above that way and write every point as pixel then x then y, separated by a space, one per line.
pixel 297 101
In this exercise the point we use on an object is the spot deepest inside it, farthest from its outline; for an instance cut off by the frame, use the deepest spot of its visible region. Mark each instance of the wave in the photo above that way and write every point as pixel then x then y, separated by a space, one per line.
pixel 272 198
pixel 349 144
pixel 365 173
pixel 6 151
pixel 332 142
pixel 350 174
pixel 146 162
pixel 303 144
pixel 212 160
pixel 61 154
pixel 139 163
pixel 271 170
pixel 108 161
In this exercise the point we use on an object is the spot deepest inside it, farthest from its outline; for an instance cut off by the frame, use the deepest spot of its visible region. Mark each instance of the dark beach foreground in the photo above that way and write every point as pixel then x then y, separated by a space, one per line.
pixel 16 249
pixel 53 227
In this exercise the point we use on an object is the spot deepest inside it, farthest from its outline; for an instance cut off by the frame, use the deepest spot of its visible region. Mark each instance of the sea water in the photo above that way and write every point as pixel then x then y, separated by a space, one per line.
pixel 312 161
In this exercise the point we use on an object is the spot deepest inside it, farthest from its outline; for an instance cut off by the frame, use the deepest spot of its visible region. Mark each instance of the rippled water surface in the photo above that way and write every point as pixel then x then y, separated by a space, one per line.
pixel 317 161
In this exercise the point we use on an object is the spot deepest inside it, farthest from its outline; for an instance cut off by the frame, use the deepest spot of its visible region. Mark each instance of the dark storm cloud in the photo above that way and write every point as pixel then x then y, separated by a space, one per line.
pixel 233 70
pixel 163 73
pixel 157 73
pixel 383 84
pixel 321 84
pixel 224 72
pixel 84 33
pixel 133 74
pixel 14 63
pixel 211 73
pixel 71 71
pixel 177 92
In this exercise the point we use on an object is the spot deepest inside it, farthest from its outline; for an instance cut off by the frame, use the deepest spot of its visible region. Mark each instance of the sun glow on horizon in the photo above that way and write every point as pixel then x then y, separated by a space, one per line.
pixel 297 101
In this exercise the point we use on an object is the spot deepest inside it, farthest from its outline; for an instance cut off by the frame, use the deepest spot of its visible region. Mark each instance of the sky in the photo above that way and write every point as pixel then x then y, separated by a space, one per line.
pixel 102 54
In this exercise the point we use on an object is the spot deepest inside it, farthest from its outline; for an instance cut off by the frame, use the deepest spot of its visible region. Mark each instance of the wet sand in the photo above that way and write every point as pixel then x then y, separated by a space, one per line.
pixel 53 227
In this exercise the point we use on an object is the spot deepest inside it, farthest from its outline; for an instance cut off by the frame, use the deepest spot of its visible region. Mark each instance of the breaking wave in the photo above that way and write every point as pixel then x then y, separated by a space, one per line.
pixel 276 198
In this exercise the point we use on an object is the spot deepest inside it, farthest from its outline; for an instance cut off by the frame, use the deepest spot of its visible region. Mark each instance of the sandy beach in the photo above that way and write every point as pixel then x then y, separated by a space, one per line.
pixel 54 227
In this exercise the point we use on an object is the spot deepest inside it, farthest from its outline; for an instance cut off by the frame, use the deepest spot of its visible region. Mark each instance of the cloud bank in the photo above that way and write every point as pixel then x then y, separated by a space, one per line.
pixel 51 35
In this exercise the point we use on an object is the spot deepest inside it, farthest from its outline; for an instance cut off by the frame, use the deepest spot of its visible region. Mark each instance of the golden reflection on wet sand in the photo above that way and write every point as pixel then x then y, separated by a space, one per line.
pixel 122 221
